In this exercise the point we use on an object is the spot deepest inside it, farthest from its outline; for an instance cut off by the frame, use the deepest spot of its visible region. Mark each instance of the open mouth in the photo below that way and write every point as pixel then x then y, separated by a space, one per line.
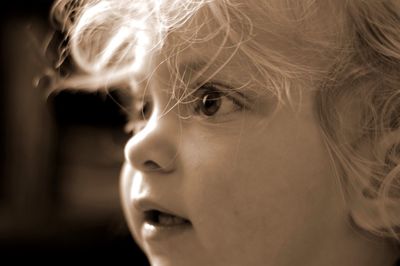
pixel 162 219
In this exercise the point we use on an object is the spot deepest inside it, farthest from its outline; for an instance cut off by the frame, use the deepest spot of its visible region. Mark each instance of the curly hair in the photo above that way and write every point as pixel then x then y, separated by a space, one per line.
pixel 359 46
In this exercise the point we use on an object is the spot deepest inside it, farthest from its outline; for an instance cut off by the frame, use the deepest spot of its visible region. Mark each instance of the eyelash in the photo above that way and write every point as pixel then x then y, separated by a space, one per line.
pixel 140 115
pixel 222 92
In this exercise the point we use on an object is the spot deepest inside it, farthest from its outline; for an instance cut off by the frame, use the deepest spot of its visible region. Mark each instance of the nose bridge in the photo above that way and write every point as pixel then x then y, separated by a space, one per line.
pixel 154 148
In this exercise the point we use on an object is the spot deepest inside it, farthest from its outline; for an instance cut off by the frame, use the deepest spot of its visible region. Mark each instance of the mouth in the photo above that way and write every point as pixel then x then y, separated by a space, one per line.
pixel 166 220
pixel 160 226
pixel 158 223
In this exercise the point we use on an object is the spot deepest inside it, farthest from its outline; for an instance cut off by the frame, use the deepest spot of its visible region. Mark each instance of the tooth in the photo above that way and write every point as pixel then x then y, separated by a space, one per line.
pixel 169 220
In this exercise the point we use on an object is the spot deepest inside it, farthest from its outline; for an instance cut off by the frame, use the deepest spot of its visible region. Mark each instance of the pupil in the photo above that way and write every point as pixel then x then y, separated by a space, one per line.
pixel 211 103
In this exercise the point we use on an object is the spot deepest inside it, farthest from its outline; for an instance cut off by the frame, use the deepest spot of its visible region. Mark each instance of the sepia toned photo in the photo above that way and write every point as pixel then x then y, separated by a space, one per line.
pixel 203 132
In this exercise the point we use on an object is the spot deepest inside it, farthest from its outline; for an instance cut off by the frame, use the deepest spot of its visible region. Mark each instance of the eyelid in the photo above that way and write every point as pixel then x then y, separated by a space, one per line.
pixel 228 91
pixel 238 100
pixel 133 112
pixel 130 126
pixel 136 118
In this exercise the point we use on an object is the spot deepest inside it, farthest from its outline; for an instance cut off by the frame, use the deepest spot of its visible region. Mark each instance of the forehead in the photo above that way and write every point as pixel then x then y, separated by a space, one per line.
pixel 290 30
pixel 251 40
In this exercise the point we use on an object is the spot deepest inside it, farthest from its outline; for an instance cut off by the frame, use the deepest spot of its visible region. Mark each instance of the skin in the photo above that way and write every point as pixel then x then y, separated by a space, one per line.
pixel 256 183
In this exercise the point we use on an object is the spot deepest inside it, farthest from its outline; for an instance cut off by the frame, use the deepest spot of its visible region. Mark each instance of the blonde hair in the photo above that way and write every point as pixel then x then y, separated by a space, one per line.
pixel 360 50
pixel 367 147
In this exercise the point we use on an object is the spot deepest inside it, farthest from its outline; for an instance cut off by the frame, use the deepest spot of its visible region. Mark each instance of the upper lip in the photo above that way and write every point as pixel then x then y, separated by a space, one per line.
pixel 144 205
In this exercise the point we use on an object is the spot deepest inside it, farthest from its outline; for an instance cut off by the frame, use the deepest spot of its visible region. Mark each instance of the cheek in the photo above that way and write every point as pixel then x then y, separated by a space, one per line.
pixel 262 191
pixel 126 180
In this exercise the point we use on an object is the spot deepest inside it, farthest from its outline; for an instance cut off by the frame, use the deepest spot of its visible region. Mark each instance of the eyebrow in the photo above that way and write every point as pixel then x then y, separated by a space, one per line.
pixel 195 67
pixel 139 86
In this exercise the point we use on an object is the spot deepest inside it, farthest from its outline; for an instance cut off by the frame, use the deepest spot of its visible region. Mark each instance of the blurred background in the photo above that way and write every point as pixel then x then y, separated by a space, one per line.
pixel 60 156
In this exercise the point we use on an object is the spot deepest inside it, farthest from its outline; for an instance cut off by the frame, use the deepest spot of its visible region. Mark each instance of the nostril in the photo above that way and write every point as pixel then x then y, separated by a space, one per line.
pixel 152 152
pixel 151 165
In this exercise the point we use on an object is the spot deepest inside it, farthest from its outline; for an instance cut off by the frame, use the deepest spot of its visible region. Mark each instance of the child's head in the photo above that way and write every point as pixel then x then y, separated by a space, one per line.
pixel 265 132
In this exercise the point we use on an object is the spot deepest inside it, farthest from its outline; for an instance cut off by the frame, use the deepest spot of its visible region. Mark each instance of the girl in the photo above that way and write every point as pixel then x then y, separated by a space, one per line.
pixel 263 132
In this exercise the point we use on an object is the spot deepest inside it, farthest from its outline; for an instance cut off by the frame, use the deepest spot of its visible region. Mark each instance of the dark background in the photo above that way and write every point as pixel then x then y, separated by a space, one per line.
pixel 60 156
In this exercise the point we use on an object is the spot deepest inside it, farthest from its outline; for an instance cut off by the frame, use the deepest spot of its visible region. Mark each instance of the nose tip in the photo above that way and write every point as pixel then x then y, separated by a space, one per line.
pixel 152 150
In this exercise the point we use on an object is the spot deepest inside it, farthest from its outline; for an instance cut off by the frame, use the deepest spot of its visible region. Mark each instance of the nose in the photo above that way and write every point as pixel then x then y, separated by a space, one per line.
pixel 154 148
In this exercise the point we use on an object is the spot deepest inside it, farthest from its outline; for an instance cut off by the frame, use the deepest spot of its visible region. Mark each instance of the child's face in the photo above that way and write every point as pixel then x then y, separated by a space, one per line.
pixel 254 187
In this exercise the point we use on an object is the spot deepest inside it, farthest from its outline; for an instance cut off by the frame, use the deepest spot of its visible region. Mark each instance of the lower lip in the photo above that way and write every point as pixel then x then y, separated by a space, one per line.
pixel 153 232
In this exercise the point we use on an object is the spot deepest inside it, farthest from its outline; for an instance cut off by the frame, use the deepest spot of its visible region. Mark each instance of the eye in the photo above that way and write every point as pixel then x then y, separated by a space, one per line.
pixel 143 110
pixel 139 114
pixel 209 103
pixel 213 100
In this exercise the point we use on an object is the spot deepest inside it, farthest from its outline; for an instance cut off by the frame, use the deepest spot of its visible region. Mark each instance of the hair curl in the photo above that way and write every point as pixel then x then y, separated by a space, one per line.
pixel 109 40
